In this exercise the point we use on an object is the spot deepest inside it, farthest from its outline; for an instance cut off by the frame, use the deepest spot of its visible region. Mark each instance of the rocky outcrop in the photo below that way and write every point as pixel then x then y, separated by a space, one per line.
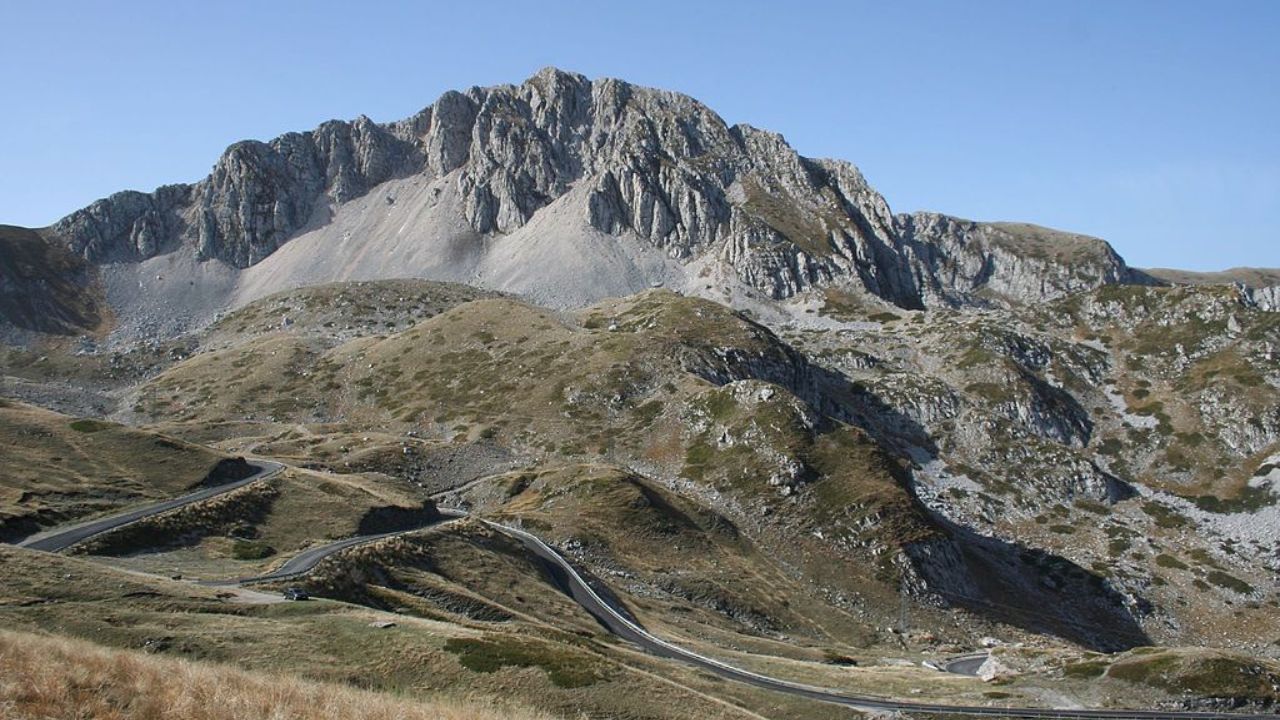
pixel 228 470
pixel 256 198
pixel 654 166
pixel 964 262
pixel 1262 298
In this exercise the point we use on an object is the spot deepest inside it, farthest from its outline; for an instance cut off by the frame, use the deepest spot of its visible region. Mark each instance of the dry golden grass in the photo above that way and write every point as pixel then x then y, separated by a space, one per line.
pixel 59 468
pixel 44 677
pixel 287 513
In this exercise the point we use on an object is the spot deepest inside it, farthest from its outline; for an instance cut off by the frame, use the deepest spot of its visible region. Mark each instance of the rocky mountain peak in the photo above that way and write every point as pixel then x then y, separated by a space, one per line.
pixel 654 169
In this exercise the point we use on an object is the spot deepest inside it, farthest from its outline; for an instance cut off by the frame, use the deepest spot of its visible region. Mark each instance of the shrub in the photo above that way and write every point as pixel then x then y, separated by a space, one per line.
pixel 1164 516
pixel 1230 582
pixel 89 426
pixel 251 550
pixel 1085 670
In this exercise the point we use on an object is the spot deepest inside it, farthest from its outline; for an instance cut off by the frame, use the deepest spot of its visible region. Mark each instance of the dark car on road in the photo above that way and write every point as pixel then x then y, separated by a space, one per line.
pixel 296 593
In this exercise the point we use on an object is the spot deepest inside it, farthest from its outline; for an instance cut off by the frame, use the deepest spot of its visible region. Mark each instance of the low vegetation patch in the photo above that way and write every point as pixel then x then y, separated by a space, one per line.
pixel 251 550
pixel 1086 670
pixel 834 658
pixel 1249 499
pixel 1165 516
pixel 1230 582
pixel 1169 561
pixel 486 656
pixel 1210 675
pixel 88 426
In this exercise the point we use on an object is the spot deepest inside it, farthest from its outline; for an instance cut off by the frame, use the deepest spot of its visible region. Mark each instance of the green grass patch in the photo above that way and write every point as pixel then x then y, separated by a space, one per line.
pixel 1230 582
pixel 1165 516
pixel 721 404
pixel 1093 506
pixel 994 392
pixel 1249 499
pixel 89 426
pixel 1145 669
pixel 1086 670
pixel 1239 679
pixel 487 656
pixel 251 550
pixel 645 414
pixel 1202 556
pixel 696 459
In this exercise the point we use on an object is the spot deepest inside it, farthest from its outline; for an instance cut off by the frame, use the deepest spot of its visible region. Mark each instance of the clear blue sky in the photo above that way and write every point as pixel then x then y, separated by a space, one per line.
pixel 1155 125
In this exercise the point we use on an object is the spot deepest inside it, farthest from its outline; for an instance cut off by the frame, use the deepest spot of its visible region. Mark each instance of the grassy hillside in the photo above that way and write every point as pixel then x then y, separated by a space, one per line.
pixel 685 386
pixel 1252 277
pixel 254 528
pixel 683 562
pixel 1195 372
pixel 894 487
pixel 47 677
pixel 1042 242
pixel 59 468
pixel 1126 431
pixel 342 309
pixel 560 661
pixel 679 392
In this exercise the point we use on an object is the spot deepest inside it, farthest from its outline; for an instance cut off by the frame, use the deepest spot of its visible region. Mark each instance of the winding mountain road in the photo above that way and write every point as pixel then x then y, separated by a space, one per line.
pixel 623 627
pixel 307 560
pixel 61 538
pixel 967 665
pixel 610 617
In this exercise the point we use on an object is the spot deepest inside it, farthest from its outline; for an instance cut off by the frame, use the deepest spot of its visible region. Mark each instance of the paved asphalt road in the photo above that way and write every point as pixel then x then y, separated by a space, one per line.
pixel 64 537
pixel 967 665
pixel 306 561
pixel 608 616
pixel 620 625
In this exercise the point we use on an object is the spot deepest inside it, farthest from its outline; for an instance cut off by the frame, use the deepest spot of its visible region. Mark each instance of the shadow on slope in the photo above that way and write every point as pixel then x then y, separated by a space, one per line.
pixel 1044 593
pixel 1005 582
pixel 43 286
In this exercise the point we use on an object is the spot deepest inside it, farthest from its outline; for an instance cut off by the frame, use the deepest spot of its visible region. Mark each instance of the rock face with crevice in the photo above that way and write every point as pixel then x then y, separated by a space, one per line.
pixel 646 167
pixel 256 198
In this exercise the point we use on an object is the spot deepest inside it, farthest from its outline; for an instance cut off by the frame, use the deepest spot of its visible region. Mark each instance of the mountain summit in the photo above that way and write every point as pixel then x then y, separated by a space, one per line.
pixel 837 446
pixel 564 189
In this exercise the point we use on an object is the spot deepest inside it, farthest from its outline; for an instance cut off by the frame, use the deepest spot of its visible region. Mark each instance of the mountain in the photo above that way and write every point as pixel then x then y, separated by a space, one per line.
pixel 1258 287
pixel 1249 277
pixel 837 444
pixel 1090 475
pixel 566 190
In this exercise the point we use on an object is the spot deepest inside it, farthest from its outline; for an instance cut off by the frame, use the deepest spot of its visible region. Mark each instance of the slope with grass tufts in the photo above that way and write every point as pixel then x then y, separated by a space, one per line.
pixel 43 677
pixel 60 468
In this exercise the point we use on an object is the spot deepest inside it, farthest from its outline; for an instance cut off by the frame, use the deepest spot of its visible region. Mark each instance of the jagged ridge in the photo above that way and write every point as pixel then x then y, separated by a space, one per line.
pixel 652 165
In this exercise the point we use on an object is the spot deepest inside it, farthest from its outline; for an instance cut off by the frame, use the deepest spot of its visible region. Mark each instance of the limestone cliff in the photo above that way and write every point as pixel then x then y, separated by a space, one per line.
pixel 644 166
